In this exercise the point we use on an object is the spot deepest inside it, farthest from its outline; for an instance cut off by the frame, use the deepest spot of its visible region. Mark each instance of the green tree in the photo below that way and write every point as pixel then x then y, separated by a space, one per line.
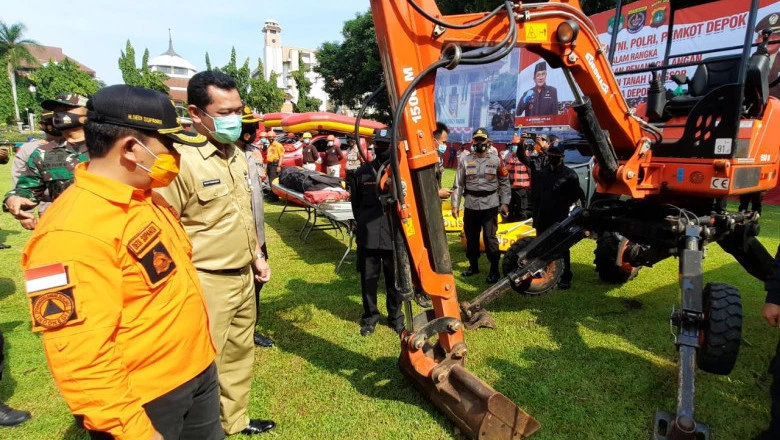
pixel 263 95
pixel 63 77
pixel 14 51
pixel 352 69
pixel 240 74
pixel 305 102
pixel 143 77
pixel 208 62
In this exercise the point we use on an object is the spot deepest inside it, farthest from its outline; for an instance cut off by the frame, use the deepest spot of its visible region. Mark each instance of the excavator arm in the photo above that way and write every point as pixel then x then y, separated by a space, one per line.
pixel 415 40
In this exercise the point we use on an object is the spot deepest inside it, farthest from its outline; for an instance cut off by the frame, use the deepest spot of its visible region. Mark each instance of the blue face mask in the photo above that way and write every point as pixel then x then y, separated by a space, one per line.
pixel 442 148
pixel 514 148
pixel 227 129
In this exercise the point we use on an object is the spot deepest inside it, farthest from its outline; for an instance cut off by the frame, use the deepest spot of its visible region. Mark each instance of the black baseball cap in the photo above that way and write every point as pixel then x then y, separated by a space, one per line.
pixel 142 109
pixel 555 151
pixel 382 135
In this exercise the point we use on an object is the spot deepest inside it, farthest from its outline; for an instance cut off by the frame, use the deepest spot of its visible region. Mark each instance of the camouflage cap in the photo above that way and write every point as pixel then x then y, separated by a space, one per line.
pixel 480 133
pixel 66 99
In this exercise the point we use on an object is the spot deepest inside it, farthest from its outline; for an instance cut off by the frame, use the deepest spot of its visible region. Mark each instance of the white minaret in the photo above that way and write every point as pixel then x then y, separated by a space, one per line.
pixel 273 49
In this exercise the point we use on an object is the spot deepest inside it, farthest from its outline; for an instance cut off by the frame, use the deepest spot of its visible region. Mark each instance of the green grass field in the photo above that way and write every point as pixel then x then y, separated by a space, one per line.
pixel 594 362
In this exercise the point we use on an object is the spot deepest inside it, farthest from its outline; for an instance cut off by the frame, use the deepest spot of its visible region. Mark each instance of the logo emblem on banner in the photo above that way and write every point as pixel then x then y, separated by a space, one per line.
pixel 636 19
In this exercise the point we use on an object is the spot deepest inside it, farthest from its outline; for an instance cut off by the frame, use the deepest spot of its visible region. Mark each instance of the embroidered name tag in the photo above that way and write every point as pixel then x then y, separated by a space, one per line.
pixel 210 182
pixel 143 239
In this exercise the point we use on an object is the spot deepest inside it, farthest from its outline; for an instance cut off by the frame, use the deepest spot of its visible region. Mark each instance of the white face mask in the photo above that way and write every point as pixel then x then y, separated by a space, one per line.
pixel 330 144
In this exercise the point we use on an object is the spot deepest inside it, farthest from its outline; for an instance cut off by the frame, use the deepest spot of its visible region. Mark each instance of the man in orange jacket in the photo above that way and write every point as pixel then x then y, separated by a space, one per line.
pixel 112 287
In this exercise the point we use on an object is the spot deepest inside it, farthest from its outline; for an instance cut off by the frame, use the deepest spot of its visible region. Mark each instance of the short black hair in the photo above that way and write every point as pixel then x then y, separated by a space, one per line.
pixel 197 93
pixel 441 128
pixel 100 137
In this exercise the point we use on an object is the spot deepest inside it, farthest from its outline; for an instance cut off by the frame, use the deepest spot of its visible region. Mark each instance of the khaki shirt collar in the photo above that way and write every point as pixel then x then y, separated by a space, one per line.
pixel 210 149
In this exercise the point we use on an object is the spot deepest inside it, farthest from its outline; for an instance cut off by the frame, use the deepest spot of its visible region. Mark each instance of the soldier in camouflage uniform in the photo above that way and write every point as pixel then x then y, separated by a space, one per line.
pixel 50 167
pixel 484 182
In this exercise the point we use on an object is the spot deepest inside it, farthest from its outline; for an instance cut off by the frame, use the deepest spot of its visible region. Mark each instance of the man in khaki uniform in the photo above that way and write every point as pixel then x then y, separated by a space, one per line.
pixel 212 195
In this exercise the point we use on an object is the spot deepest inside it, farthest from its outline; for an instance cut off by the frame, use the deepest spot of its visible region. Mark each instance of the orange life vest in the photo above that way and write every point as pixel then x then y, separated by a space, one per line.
pixel 518 173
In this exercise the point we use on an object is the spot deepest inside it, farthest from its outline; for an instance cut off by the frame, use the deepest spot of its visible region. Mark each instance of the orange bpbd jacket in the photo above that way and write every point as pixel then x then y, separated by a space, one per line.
pixel 112 288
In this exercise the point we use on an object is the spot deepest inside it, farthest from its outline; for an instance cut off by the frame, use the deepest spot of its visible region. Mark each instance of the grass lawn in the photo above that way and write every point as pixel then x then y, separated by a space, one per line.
pixel 594 362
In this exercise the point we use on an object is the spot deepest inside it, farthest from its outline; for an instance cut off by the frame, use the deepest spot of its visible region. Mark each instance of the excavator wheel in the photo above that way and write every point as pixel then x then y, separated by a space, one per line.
pixel 607 248
pixel 543 281
pixel 721 335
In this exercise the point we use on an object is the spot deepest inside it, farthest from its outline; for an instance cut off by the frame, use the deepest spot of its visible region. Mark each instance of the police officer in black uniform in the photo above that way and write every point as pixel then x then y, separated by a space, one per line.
pixel 484 183
pixel 771 314
pixel 556 187
pixel 374 240
pixel 541 99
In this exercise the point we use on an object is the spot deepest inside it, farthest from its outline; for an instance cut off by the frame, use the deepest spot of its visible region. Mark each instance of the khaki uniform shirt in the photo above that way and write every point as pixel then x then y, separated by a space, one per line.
pixel 212 195
pixel 485 175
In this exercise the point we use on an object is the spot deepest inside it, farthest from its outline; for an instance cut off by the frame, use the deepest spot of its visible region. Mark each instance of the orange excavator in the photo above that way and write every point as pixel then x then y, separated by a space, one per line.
pixel 663 178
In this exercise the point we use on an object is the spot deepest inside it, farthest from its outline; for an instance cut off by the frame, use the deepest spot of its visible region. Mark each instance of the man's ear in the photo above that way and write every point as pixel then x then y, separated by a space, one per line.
pixel 126 145
pixel 194 114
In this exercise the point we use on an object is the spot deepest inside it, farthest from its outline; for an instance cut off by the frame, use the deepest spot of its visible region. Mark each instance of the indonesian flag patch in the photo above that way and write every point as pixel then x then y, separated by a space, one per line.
pixel 52 303
pixel 45 277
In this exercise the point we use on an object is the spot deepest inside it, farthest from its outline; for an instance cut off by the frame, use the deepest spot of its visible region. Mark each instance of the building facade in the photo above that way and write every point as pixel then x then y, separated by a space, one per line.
pixel 284 60
pixel 177 69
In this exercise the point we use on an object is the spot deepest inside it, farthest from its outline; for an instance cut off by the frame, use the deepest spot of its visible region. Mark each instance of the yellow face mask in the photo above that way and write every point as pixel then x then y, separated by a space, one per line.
pixel 164 169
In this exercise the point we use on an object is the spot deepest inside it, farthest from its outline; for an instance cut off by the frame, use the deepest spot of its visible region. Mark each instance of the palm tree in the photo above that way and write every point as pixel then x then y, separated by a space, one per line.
pixel 14 50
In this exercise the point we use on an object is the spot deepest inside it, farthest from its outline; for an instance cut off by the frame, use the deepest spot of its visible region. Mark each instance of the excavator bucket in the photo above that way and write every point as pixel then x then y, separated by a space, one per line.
pixel 479 411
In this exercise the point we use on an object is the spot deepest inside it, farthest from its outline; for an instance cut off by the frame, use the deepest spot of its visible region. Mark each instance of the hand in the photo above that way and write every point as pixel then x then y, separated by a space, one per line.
pixel 262 270
pixel 444 193
pixel 504 209
pixel 278 170
pixel 455 212
pixel 17 206
pixel 29 223
pixel 157 436
pixel 771 314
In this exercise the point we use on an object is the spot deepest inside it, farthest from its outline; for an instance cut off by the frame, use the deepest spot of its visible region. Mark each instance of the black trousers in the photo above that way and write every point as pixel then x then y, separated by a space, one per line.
pixel 370 263
pixel 350 174
pixel 748 199
pixel 188 412
pixel 485 221
pixel 518 206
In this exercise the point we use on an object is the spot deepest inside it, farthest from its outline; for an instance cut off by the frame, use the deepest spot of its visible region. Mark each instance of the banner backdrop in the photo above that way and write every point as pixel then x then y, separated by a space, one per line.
pixel 522 90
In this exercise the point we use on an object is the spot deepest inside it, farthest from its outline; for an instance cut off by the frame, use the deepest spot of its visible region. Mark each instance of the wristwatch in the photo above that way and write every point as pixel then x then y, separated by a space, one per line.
pixel 260 255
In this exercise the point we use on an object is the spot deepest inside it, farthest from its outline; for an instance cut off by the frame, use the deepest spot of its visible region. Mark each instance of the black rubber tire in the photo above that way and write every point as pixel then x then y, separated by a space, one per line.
pixel 537 285
pixel 721 334
pixel 606 253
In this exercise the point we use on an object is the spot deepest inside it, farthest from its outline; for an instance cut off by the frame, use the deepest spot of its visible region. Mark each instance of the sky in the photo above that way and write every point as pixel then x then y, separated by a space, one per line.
pixel 95 31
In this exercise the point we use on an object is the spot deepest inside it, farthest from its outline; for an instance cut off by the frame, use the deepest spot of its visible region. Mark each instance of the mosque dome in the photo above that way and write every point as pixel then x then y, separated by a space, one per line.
pixel 172 64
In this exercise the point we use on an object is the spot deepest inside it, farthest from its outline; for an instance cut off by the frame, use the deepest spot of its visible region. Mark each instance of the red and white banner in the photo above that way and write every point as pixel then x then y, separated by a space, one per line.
pixel 469 97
